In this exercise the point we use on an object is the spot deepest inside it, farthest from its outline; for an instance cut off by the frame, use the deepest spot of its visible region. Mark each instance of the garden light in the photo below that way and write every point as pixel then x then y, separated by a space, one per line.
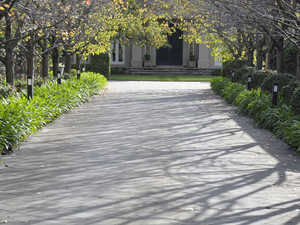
pixel 275 94
pixel 249 82
pixel 78 74
pixel 58 77
pixel 29 86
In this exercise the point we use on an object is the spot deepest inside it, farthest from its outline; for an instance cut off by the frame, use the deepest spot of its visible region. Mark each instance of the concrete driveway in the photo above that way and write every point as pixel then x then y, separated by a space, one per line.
pixel 151 153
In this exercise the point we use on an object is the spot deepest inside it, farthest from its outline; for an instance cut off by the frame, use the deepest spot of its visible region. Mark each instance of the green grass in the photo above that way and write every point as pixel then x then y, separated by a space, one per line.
pixel 159 78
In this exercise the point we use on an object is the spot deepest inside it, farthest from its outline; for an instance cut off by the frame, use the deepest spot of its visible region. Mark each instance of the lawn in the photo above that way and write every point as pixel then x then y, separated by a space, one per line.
pixel 160 78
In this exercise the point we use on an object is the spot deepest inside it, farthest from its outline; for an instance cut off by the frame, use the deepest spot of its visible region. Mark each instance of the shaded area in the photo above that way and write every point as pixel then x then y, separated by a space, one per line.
pixel 152 153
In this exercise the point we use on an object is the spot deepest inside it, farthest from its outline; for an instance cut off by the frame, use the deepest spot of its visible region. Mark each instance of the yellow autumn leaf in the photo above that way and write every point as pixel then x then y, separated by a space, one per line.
pixel 6 6
pixel 2 8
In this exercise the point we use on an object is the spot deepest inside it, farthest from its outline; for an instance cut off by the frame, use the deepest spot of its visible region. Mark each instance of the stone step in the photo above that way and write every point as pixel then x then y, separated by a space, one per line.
pixel 170 71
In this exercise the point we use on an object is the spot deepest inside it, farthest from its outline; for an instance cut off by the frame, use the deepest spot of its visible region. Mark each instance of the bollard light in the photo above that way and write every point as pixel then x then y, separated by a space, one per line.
pixel 58 77
pixel 275 94
pixel 29 86
pixel 249 81
pixel 83 69
pixel 232 76
pixel 78 74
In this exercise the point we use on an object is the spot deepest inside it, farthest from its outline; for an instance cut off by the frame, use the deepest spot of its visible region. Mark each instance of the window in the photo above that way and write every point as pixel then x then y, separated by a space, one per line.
pixel 117 53
pixel 218 63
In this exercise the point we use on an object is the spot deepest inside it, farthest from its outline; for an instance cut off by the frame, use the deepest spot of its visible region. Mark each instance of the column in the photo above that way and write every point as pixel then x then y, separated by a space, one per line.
pixel 203 57
pixel 137 57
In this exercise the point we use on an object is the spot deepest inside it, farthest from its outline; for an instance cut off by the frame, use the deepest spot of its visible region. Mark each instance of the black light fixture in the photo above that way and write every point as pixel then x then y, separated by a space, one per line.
pixel 29 86
pixel 249 82
pixel 275 94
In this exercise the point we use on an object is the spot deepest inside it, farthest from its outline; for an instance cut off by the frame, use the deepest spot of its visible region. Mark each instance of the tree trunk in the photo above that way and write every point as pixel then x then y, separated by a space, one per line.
pixel 270 59
pixel 279 56
pixel 250 57
pixel 298 65
pixel 9 52
pixel 45 58
pixel 279 60
pixel 30 67
pixel 68 63
pixel 9 65
pixel 30 57
pixel 259 54
pixel 270 55
pixel 78 58
pixel 55 58
pixel 259 58
pixel 45 65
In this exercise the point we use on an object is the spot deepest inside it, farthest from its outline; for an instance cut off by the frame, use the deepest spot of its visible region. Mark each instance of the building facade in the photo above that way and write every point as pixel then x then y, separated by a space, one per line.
pixel 180 54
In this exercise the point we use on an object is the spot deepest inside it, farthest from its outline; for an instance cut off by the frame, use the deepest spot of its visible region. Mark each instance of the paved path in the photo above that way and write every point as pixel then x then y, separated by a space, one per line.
pixel 151 153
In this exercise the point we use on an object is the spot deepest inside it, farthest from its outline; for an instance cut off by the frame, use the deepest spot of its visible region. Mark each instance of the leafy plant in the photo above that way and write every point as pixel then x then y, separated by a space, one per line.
pixel 6 90
pixel 218 84
pixel 147 57
pixel 231 91
pixel 192 57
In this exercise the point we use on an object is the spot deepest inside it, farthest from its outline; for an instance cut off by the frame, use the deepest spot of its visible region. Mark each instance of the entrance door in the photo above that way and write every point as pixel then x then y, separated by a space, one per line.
pixel 171 55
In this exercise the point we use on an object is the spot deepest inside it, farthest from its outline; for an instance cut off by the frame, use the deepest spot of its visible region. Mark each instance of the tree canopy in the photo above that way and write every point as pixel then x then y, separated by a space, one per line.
pixel 233 29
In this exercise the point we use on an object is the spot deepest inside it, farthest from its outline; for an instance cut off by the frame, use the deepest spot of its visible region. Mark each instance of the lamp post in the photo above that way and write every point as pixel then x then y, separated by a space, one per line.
pixel 60 72
pixel 249 82
pixel 58 77
pixel 275 94
pixel 78 74
pixel 29 86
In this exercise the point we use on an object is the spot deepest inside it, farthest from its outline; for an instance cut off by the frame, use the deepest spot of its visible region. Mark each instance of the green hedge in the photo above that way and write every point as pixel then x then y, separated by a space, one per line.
pixel 99 64
pixel 258 77
pixel 20 117
pixel 230 66
pixel 288 91
pixel 258 105
pixel 282 79
pixel 241 74
pixel 295 101
pixel 265 79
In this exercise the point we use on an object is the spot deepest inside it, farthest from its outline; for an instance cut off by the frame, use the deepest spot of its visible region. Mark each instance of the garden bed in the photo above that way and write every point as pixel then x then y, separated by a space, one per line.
pixel 281 120
pixel 20 117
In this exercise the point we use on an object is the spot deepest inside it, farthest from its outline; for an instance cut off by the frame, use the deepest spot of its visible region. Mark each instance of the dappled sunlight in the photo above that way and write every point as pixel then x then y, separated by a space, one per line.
pixel 167 156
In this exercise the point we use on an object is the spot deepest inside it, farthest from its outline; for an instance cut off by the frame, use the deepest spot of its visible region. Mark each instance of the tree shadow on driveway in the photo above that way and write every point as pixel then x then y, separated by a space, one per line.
pixel 174 156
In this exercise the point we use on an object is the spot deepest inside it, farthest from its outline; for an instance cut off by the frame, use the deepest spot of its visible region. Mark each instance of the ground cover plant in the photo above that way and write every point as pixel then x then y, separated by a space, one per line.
pixel 281 120
pixel 159 78
pixel 20 117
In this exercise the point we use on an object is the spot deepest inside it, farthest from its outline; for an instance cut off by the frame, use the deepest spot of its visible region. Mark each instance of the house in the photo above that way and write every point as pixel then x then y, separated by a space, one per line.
pixel 133 57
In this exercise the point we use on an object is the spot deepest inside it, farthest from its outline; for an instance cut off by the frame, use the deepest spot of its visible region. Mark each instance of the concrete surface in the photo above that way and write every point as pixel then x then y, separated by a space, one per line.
pixel 151 153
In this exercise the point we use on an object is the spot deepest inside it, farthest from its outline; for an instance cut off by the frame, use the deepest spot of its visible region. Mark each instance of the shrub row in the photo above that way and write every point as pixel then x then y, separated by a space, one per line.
pixel 288 86
pixel 258 105
pixel 99 64
pixel 20 117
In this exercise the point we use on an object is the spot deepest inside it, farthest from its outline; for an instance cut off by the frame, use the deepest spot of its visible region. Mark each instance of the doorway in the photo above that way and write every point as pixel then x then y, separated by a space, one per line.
pixel 172 55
